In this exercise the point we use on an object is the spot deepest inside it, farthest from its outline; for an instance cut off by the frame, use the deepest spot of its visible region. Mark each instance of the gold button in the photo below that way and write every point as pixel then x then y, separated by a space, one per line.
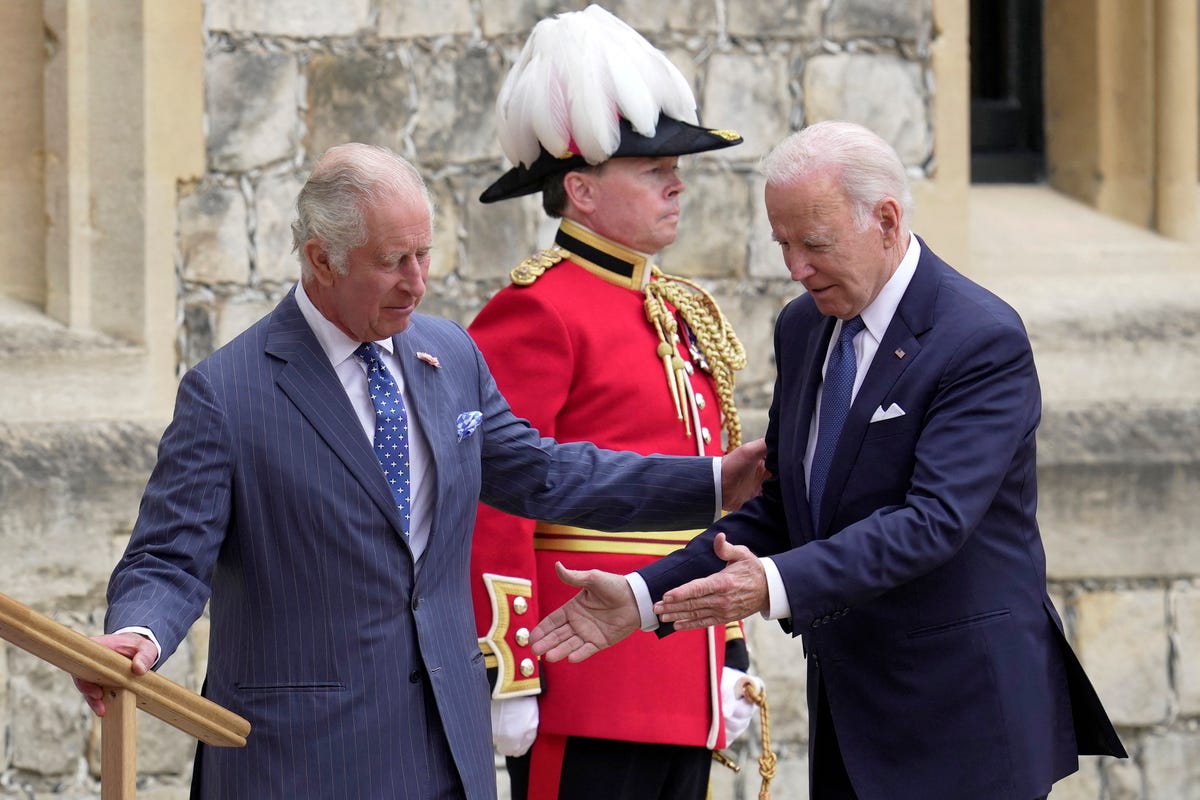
pixel 523 636
pixel 688 368
pixel 700 401
pixel 705 435
pixel 520 605
pixel 527 667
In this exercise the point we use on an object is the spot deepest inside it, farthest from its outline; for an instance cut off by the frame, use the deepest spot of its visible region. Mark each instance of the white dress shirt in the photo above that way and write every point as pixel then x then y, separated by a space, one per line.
pixel 352 372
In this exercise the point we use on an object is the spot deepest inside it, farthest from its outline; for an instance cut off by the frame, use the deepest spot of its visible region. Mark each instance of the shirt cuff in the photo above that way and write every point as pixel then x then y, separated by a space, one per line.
pixel 717 480
pixel 149 634
pixel 779 607
pixel 641 593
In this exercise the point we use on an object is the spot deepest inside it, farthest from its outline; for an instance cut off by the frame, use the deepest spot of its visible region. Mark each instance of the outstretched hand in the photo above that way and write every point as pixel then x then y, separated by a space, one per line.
pixel 603 613
pixel 743 471
pixel 736 592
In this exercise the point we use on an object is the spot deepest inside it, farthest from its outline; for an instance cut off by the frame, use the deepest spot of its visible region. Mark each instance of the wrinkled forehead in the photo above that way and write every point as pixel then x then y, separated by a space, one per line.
pixel 816 196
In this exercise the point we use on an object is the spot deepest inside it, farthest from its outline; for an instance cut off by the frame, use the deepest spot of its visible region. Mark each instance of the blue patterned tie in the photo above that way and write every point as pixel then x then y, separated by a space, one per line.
pixel 391 427
pixel 835 405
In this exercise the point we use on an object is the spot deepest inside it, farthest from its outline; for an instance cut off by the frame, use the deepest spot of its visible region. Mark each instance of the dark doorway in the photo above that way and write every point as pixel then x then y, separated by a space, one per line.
pixel 1007 140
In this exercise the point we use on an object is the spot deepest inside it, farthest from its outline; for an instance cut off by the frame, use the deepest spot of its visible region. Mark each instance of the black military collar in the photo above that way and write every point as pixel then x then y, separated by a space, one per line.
pixel 602 257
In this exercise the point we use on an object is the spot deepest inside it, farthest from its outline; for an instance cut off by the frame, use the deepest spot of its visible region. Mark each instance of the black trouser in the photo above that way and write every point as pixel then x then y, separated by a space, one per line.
pixel 606 769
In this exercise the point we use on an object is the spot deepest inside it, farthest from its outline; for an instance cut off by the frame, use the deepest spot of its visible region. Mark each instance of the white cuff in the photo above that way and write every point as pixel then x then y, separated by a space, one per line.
pixel 641 593
pixel 717 479
pixel 778 605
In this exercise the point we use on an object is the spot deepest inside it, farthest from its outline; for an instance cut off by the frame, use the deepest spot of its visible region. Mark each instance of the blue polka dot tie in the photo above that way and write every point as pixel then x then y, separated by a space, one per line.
pixel 391 428
pixel 835 406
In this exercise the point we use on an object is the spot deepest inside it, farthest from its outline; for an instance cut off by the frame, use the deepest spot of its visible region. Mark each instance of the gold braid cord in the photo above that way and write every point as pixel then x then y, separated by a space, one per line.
pixel 714 336
pixel 767 761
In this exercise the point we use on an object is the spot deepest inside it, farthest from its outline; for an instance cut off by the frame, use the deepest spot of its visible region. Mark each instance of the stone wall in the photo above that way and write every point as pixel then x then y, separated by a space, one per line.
pixel 284 79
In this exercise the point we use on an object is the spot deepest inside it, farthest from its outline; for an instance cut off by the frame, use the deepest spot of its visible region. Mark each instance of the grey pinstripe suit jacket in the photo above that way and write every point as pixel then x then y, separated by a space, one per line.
pixel 267 496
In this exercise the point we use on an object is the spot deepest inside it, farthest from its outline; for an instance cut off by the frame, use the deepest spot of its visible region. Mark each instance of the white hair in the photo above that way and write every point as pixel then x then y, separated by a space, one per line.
pixel 346 180
pixel 867 167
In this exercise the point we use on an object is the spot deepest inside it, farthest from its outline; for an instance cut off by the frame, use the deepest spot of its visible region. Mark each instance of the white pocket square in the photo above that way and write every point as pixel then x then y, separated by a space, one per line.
pixel 891 412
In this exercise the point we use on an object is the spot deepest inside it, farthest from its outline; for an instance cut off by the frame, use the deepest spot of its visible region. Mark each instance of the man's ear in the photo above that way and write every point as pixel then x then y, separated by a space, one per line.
pixel 318 259
pixel 889 214
pixel 579 190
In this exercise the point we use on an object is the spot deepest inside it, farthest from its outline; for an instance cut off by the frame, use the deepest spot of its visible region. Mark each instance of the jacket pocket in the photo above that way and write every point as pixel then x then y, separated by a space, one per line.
pixel 972 621
pixel 313 686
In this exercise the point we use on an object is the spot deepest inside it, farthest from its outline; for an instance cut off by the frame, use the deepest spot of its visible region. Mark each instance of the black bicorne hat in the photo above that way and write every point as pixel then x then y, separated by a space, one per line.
pixel 671 137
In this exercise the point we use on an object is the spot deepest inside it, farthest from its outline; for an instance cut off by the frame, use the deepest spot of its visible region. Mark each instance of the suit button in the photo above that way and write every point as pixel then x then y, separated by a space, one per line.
pixel 706 436
pixel 700 401
pixel 414 676
pixel 416 602
pixel 527 667
pixel 522 637
pixel 520 605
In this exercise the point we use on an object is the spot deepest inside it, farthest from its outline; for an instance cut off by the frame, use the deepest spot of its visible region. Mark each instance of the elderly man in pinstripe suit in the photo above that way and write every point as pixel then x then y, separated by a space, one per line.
pixel 342 625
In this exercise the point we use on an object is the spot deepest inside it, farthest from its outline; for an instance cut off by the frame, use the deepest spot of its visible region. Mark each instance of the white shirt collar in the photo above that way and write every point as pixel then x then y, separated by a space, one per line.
pixel 878 315
pixel 336 344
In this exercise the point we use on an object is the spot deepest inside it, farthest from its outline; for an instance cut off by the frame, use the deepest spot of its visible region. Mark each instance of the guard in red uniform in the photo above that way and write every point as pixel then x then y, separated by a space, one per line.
pixel 592 342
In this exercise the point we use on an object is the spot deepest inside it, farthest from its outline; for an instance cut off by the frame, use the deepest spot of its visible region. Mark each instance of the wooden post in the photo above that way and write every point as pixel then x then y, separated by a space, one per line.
pixel 118 746
pixel 75 653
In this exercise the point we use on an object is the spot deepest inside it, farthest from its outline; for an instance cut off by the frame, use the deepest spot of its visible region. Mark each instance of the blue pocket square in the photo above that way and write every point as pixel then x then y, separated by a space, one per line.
pixel 466 424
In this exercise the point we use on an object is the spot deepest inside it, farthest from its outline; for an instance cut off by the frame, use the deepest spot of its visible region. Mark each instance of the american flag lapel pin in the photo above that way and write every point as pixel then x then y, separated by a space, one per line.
pixel 430 360
pixel 900 353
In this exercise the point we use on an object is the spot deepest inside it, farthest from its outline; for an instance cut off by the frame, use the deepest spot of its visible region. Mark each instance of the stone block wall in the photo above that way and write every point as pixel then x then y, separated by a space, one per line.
pixel 284 79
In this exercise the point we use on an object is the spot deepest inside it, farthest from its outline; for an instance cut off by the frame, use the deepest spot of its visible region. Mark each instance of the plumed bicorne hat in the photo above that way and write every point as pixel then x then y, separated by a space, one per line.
pixel 587 88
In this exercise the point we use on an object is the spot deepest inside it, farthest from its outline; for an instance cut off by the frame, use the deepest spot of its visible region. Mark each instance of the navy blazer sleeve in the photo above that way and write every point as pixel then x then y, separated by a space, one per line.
pixel 915 488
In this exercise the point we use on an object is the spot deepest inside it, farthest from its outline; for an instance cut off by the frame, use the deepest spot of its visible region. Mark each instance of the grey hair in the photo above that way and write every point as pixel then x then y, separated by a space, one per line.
pixel 348 179
pixel 868 168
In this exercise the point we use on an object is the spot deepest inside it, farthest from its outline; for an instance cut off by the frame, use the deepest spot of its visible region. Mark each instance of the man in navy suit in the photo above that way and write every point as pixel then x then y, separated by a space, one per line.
pixel 937 665
pixel 342 625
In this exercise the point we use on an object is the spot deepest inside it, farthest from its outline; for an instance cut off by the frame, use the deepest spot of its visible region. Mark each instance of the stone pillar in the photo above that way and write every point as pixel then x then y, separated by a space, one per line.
pixel 1176 181
pixel 21 219
pixel 68 185
pixel 943 200
pixel 1100 105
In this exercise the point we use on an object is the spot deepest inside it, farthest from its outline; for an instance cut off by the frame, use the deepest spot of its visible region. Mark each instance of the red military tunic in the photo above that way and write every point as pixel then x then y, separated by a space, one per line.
pixel 574 353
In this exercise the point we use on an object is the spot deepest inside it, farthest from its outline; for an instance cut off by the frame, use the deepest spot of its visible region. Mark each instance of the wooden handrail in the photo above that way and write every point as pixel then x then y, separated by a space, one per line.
pixel 75 653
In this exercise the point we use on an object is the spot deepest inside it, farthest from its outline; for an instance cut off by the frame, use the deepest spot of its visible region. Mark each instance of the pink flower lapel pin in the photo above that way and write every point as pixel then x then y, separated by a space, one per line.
pixel 430 360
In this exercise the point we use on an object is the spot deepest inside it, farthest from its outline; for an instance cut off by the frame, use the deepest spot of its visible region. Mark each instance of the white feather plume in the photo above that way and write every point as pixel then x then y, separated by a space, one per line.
pixel 578 74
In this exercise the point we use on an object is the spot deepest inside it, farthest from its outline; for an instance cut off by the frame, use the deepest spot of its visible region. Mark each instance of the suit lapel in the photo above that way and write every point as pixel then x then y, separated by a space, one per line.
pixel 308 380
pixel 899 348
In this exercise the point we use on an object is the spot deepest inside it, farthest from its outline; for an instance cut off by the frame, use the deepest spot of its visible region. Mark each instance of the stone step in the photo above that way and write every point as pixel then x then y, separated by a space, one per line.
pixel 69 495
pixel 1113 312
pixel 51 372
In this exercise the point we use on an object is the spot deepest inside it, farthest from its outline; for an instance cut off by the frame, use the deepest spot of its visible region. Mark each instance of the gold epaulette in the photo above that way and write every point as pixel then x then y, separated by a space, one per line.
pixel 533 267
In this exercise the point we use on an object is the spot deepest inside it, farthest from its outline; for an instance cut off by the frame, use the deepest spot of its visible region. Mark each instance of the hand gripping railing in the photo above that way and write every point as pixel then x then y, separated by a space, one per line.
pixel 124 692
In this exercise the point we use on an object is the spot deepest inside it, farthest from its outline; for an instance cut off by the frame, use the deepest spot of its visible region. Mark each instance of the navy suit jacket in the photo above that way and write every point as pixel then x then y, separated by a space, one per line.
pixel 921 594
pixel 347 659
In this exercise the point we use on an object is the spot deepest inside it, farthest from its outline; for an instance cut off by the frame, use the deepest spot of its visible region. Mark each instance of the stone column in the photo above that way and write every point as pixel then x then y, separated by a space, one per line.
pixel 1176 181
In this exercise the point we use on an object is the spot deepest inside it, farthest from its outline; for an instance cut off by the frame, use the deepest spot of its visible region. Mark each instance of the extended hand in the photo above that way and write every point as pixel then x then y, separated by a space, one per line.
pixel 138 648
pixel 602 614
pixel 734 593
pixel 743 471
